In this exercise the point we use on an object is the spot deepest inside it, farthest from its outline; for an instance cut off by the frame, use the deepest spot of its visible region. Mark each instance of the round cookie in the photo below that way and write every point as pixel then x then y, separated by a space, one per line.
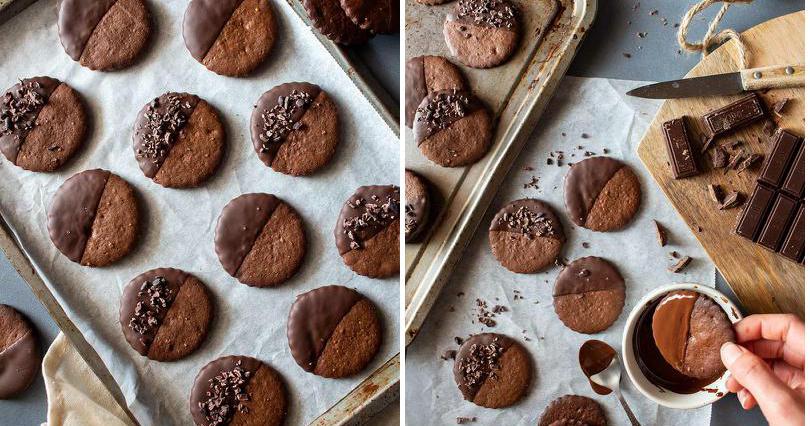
pixel 179 140
pixel 165 314
pixel 601 194
pixel 573 408
pixel 238 390
pixel 19 353
pixel 377 16
pixel 689 329
pixel 425 74
pixel 331 20
pixel 418 207
pixel 93 218
pixel 367 231
pixel 333 331
pixel 104 35
pixel 452 128
pixel 260 240
pixel 589 295
pixel 295 128
pixel 526 236
pixel 482 33
pixel 492 370
pixel 43 122
pixel 229 37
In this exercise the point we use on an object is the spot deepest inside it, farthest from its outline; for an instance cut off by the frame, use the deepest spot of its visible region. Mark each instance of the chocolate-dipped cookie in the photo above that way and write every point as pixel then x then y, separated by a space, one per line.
pixel 452 128
pixel 93 218
pixel 367 231
pixel 19 353
pixel 104 35
pixel 328 17
pixel 425 74
pixel 260 240
pixel 601 194
pixel 229 37
pixel 333 331
pixel 689 329
pixel 377 16
pixel 165 314
pixel 295 128
pixel 238 390
pixel 573 408
pixel 492 370
pixel 43 122
pixel 418 207
pixel 482 33
pixel 589 295
pixel 526 236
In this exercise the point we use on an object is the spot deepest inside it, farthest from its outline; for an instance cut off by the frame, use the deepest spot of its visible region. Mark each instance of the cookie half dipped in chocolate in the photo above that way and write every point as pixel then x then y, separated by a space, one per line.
pixel 333 331
pixel 418 207
pixel 602 194
pixel 425 74
pixel 482 33
pixel 589 295
pixel 179 140
pixel 238 390
pixel 328 17
pixel 94 218
pixel 571 409
pixel 689 329
pixel 526 236
pixel 19 353
pixel 377 16
pixel 165 314
pixel 492 370
pixel 43 123
pixel 104 35
pixel 452 128
pixel 295 128
pixel 367 231
pixel 260 240
pixel 230 37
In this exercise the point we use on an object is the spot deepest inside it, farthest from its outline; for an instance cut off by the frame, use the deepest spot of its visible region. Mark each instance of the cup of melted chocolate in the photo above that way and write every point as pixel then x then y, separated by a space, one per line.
pixel 671 345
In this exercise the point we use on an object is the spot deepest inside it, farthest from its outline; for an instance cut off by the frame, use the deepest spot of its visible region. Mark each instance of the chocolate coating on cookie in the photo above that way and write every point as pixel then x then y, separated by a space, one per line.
pixel 601 193
pixel 367 231
pixel 19 353
pixel 417 206
pixel 425 74
pixel 573 408
pixel 331 20
pixel 333 331
pixel 377 16
pixel 492 370
pixel 526 236
pixel 482 33
pixel 589 295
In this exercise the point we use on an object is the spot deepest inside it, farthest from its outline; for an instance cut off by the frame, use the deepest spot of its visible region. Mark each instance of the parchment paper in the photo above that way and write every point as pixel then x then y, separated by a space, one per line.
pixel 598 109
pixel 179 224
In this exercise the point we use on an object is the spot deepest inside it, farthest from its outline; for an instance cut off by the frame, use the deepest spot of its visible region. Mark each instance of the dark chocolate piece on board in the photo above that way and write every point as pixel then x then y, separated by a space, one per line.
pixel 793 248
pixel 732 200
pixel 794 182
pixel 679 148
pixel 778 222
pixel 717 193
pixel 733 116
pixel 719 158
pixel 778 161
pixel 755 211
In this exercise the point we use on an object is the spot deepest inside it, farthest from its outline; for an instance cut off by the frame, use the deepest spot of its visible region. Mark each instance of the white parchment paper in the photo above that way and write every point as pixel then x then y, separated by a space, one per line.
pixel 599 109
pixel 179 224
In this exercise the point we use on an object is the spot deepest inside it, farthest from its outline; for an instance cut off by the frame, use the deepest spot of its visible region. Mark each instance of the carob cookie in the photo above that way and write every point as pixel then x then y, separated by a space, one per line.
pixel 452 128
pixel 425 74
pixel 526 236
pixel 43 122
pixel 229 37
pixel 260 240
pixel 689 329
pixel 418 206
pixel 333 331
pixel 179 140
pixel 19 353
pixel 165 314
pixel 367 231
pixel 104 35
pixel 377 16
pixel 573 408
pixel 331 20
pixel 492 370
pixel 482 33
pixel 589 295
pixel 93 218
pixel 238 390
pixel 601 194
pixel 295 128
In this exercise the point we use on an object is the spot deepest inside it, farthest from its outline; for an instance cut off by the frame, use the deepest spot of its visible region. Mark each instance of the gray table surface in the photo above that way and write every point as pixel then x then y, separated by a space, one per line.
pixel 654 57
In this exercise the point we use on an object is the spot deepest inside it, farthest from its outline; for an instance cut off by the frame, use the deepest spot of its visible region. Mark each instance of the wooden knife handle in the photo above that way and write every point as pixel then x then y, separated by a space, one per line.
pixel 773 77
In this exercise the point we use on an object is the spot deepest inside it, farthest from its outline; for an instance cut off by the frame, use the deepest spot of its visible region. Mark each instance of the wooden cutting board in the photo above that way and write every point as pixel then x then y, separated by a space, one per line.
pixel 764 282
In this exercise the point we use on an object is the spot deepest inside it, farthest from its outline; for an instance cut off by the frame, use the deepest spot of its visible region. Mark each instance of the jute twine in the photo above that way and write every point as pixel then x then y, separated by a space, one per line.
pixel 713 38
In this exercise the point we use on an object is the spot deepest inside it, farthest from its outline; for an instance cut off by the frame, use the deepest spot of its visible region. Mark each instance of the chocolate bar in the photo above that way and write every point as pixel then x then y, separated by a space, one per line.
pixel 679 148
pixel 755 211
pixel 779 159
pixel 733 116
pixel 794 182
pixel 776 226
pixel 793 248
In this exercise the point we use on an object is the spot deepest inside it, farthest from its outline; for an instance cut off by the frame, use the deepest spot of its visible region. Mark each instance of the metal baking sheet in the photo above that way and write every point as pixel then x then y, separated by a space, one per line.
pixel 517 92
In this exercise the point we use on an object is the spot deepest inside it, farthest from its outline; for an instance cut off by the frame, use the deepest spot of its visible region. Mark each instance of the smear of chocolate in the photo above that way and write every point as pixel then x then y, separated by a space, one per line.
pixel 73 209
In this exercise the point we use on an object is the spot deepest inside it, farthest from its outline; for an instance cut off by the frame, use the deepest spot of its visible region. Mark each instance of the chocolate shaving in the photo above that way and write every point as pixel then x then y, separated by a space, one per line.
pixel 661 233
pixel 735 161
pixel 732 200
pixel 227 394
pixel 680 265
pixel 749 162
pixel 19 113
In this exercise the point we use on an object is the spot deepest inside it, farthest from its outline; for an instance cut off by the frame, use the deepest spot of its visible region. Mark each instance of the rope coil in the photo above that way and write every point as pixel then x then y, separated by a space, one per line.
pixel 712 38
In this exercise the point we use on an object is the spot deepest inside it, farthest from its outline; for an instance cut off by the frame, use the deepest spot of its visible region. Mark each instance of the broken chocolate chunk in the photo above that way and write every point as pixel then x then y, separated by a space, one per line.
pixel 717 193
pixel 661 232
pixel 680 265
pixel 732 200
pixel 719 158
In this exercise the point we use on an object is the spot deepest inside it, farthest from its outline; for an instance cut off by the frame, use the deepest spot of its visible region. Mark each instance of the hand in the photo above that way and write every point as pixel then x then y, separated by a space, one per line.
pixel 767 366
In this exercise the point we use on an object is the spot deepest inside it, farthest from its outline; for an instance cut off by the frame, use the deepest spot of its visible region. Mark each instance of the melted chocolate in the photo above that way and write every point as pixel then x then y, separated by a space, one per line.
pixel 588 274
pixel 158 127
pixel 594 357
pixel 239 224
pixel 19 109
pixel 528 217
pixel 583 184
pixel 73 209
pixel 477 360
pixel 370 210
pixel 202 23
pixel 277 114
pixel 220 389
pixel 670 325
pixel 76 22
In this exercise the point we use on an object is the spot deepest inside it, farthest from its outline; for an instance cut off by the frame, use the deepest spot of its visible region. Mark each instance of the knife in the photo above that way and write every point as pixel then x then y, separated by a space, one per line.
pixel 773 77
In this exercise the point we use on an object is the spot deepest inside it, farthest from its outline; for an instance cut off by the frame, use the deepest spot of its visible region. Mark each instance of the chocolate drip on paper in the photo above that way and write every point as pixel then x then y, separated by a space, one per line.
pixel 584 183
pixel 594 357
pixel 220 389
pixel 240 223
pixel 278 113
pixel 588 274
pixel 158 127
pixel 77 20
pixel 73 209
pixel 486 13
pixel 415 87
pixel 440 109
pixel 477 360
pixel 203 22
pixel 528 217
pixel 19 109
pixel 670 325
pixel 370 210
pixel 313 318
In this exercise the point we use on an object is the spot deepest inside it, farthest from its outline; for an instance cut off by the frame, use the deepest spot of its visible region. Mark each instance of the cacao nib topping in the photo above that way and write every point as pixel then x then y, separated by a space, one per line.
pixel 227 394
pixel 154 298
pixel 279 121
pixel 19 113
pixel 162 126
pixel 492 13
pixel 528 223
pixel 444 109
pixel 378 213
pixel 481 363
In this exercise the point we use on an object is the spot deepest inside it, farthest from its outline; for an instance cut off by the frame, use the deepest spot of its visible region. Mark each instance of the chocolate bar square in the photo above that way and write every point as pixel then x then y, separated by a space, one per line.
pixel 755 211
pixel 793 248
pixel 679 149
pixel 776 226
pixel 732 116
pixel 779 159
pixel 794 181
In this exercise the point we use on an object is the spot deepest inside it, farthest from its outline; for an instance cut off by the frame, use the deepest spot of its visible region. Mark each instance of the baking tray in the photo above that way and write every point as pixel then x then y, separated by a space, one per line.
pixel 517 93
